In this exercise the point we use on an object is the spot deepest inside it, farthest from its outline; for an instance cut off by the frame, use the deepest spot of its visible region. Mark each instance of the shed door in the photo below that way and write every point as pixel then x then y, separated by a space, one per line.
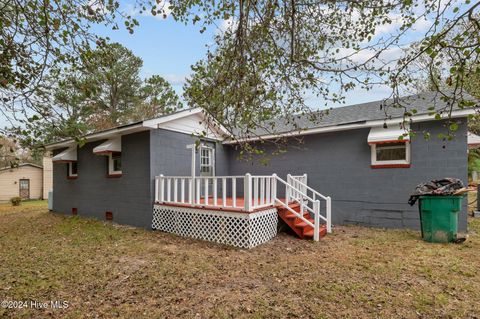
pixel 25 188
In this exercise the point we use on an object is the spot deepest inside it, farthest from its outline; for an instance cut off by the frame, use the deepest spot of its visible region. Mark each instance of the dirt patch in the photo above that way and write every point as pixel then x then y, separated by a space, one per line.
pixel 106 271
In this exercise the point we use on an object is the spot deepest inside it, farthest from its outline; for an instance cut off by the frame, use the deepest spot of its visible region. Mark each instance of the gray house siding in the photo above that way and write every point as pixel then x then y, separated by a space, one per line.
pixel 170 156
pixel 338 165
pixel 92 193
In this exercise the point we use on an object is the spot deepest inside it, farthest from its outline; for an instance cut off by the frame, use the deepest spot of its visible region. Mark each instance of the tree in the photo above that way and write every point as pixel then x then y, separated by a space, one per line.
pixel 112 76
pixel 103 91
pixel 158 98
pixel 270 54
pixel 11 153
pixel 274 53
pixel 37 36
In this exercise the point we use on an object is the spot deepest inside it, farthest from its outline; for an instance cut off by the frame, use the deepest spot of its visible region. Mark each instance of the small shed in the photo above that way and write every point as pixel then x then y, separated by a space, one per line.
pixel 25 181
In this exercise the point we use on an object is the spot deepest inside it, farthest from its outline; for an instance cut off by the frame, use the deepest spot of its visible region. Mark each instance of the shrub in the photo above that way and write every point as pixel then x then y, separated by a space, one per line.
pixel 16 201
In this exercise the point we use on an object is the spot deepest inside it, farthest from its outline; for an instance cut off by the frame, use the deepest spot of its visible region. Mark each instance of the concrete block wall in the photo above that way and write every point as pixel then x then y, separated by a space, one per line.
pixel 338 165
pixel 93 193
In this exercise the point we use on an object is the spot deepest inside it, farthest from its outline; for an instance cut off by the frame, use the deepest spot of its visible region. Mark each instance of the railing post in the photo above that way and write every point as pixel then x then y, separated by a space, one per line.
pixel 288 189
pixel 191 189
pixel 316 210
pixel 162 191
pixel 305 181
pixel 247 192
pixel 157 190
pixel 329 214
pixel 274 188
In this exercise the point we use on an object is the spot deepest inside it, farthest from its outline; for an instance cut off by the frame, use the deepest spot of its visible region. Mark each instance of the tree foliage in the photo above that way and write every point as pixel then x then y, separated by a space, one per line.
pixel 104 90
pixel 157 98
pixel 11 153
pixel 39 35
pixel 273 54
pixel 268 56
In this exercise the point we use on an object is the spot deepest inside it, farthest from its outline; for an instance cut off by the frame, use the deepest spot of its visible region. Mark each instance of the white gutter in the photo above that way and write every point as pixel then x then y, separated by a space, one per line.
pixel 336 128
pixel 99 136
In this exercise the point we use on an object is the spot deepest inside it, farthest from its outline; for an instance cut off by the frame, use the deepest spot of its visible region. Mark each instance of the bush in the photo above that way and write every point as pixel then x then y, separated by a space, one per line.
pixel 16 201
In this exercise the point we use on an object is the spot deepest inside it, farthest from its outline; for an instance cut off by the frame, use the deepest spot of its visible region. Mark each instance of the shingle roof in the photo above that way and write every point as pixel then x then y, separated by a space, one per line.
pixel 360 113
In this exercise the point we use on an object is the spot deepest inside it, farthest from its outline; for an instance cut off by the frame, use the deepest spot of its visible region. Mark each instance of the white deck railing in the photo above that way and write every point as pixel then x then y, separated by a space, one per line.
pixel 246 192
pixel 217 191
pixel 300 183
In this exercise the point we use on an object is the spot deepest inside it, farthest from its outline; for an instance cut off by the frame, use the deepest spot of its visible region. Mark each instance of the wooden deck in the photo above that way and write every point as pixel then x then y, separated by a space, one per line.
pixel 228 207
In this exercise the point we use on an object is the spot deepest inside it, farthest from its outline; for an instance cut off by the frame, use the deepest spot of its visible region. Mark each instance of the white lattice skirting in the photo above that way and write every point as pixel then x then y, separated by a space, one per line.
pixel 235 229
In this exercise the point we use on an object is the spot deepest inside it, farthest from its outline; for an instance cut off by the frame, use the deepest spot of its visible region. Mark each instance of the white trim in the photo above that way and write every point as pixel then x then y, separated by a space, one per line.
pixel 473 140
pixel 390 133
pixel 153 123
pixel 111 145
pixel 217 133
pixel 110 165
pixel 211 159
pixel 192 168
pixel 68 155
pixel 69 166
pixel 112 133
pixel 335 128
pixel 373 148
pixel 168 123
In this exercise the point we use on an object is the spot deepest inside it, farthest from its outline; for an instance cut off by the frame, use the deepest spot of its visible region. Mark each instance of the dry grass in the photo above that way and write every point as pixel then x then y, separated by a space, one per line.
pixel 104 270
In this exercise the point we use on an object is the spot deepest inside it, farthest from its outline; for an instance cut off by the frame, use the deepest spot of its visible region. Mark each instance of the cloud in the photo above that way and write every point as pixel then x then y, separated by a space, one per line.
pixel 175 79
pixel 161 5
pixel 228 24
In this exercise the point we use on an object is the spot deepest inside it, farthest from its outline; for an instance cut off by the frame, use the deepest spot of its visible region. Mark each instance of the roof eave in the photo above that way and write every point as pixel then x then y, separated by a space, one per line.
pixel 114 132
pixel 368 123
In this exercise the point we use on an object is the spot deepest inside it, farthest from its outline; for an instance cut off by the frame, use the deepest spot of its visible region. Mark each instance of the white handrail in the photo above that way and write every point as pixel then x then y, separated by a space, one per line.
pixel 259 191
pixel 212 191
pixel 328 200
pixel 291 189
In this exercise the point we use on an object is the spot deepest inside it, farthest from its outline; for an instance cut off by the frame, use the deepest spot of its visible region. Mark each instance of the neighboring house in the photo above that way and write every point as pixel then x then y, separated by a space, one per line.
pixel 352 168
pixel 25 181
pixel 473 141
pixel 47 175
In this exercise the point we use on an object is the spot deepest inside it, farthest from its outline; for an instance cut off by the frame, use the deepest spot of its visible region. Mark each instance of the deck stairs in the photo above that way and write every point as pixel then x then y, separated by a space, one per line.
pixel 301 208
pixel 300 227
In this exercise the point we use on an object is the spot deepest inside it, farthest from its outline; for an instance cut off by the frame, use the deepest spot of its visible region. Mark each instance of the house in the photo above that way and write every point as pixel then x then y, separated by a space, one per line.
pixel 25 181
pixel 351 168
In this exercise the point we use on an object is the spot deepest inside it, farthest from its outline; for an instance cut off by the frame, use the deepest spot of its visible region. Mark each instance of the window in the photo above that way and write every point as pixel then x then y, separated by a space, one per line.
pixel 206 161
pixel 72 170
pixel 393 154
pixel 115 164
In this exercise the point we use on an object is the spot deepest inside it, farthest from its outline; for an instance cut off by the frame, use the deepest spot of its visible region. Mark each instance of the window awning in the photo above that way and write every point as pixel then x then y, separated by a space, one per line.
pixel 68 155
pixel 110 146
pixel 473 140
pixel 391 134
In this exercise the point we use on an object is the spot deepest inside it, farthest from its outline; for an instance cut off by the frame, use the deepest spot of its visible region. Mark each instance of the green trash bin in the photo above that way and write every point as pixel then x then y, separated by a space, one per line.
pixel 439 218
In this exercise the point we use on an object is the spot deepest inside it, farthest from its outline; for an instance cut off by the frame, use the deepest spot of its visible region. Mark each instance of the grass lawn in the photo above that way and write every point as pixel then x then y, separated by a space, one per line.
pixel 104 270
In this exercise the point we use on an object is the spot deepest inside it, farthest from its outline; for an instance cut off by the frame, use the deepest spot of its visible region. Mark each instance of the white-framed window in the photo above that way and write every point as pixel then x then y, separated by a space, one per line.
pixel 391 154
pixel 115 164
pixel 206 161
pixel 72 170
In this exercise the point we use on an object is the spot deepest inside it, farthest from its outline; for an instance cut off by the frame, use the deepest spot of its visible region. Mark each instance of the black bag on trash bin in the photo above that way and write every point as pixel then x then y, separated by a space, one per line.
pixel 445 187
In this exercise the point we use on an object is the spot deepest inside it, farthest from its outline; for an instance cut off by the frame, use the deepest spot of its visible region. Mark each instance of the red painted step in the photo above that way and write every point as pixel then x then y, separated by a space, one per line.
pixel 300 227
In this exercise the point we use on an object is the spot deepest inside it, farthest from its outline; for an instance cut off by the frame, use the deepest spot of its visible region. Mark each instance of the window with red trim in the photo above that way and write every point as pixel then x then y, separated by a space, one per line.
pixel 390 154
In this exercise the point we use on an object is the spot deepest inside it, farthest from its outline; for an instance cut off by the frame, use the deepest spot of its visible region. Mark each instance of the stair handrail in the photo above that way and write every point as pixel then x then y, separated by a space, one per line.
pixel 328 199
pixel 315 204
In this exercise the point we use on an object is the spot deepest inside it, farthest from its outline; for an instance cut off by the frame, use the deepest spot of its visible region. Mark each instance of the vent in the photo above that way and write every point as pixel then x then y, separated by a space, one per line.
pixel 74 211
pixel 108 215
